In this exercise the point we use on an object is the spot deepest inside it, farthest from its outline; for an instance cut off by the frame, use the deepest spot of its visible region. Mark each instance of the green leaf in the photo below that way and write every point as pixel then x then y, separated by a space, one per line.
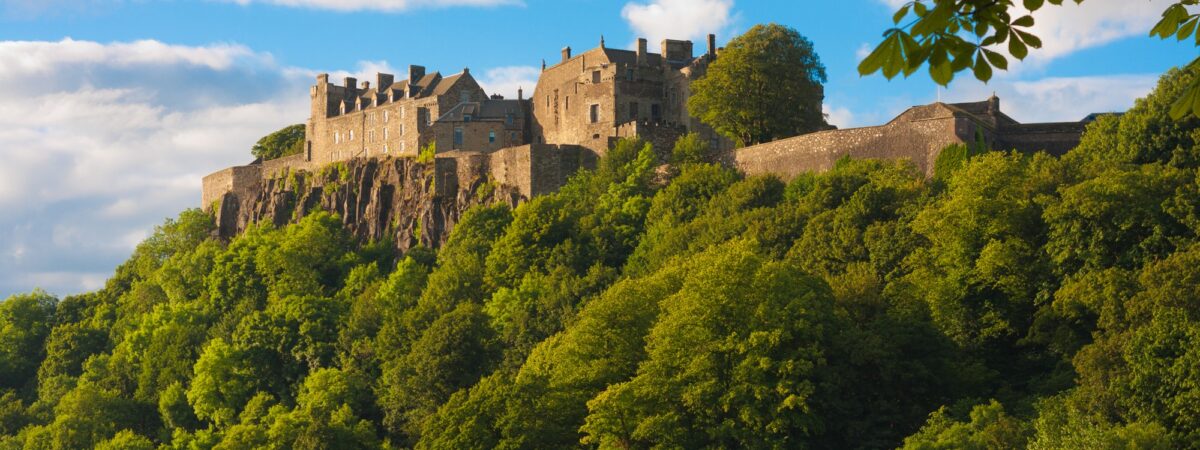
pixel 873 62
pixel 1024 22
pixel 1033 5
pixel 1029 39
pixel 1187 29
pixel 1017 49
pixel 1184 105
pixel 920 8
pixel 983 71
pixel 997 60
pixel 900 14
pixel 941 73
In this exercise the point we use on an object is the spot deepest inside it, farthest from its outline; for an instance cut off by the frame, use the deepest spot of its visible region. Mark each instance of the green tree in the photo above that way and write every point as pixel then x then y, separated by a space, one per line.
pixel 988 428
pixel 766 85
pixel 25 322
pixel 730 364
pixel 286 141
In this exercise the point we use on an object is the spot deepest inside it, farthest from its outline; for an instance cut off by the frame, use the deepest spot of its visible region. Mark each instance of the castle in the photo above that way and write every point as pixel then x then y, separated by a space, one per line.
pixel 578 108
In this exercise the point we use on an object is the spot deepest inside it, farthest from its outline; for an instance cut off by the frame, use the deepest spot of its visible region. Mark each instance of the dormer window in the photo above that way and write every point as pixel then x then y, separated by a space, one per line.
pixel 466 117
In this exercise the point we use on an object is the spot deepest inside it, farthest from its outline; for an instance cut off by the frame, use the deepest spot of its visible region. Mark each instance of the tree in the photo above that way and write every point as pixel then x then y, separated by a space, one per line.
pixel 25 322
pixel 286 141
pixel 952 36
pixel 766 85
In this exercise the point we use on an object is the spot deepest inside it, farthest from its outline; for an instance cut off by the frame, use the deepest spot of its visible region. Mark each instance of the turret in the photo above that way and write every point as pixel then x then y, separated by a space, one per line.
pixel 712 47
pixel 641 51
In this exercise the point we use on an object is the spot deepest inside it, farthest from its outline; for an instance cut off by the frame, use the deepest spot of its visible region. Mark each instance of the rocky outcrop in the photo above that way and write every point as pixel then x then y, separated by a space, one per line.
pixel 409 202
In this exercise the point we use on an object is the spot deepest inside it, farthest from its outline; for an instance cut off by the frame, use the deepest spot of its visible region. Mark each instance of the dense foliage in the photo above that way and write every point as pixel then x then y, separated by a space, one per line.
pixel 765 86
pixel 286 141
pixel 1012 301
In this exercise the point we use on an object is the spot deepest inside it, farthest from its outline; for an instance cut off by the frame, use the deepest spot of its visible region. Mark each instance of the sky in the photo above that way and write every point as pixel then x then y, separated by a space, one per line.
pixel 111 111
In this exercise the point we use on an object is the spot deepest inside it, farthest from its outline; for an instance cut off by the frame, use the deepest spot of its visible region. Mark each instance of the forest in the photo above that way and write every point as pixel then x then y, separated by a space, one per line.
pixel 662 301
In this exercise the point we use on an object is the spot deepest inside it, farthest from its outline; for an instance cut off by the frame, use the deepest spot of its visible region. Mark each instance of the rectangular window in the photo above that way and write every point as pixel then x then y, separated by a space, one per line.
pixel 337 137
pixel 633 110
pixel 385 117
pixel 567 103
pixel 464 96
pixel 629 74
pixel 458 137
pixel 595 113
pixel 466 117
pixel 402 129
pixel 352 135
pixel 508 119
pixel 402 113
pixel 595 76
pixel 491 137
pixel 655 112
pixel 385 147
pixel 386 134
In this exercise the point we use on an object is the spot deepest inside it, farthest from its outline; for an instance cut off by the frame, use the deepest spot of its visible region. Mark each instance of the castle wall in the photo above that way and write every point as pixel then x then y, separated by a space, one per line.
pixel 237 179
pixel 919 141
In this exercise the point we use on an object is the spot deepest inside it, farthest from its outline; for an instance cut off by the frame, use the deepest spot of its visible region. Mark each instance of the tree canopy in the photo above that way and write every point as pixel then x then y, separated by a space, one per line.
pixel 286 141
pixel 766 85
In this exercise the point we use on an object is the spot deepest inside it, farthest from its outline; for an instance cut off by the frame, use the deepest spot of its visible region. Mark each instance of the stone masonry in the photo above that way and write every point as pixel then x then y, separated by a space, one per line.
pixel 580 106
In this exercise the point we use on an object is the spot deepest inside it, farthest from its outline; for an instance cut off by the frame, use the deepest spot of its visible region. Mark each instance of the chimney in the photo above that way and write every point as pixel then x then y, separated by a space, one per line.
pixel 415 74
pixel 520 94
pixel 383 80
pixel 350 83
pixel 566 53
pixel 466 71
pixel 366 85
pixel 712 47
pixel 641 51
pixel 993 107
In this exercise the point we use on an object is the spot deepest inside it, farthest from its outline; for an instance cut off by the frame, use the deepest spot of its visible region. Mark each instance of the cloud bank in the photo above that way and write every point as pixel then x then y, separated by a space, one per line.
pixel 679 19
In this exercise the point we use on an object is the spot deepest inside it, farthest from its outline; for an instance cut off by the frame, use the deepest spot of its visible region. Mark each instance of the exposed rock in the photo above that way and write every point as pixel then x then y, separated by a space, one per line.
pixel 376 198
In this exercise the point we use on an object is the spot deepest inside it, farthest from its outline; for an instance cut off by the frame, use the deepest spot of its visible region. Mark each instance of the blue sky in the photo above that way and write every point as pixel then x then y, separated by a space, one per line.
pixel 112 110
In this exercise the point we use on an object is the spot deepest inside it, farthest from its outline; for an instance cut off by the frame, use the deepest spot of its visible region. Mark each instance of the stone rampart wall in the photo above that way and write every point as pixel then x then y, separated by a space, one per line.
pixel 919 141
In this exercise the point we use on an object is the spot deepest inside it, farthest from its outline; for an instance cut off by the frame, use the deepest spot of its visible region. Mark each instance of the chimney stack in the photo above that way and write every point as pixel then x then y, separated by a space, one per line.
pixel 383 80
pixel 641 51
pixel 520 94
pixel 415 74
pixel 566 53
pixel 712 47
pixel 366 85
pixel 350 83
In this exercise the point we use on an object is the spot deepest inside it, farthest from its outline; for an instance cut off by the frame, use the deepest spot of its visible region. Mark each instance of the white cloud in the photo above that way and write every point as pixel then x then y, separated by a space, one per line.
pixel 679 19
pixel 506 80
pixel 380 5
pixel 838 116
pixel 101 142
pixel 1058 99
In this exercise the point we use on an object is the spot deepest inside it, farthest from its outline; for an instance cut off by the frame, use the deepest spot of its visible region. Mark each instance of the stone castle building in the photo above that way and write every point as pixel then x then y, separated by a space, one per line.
pixel 578 108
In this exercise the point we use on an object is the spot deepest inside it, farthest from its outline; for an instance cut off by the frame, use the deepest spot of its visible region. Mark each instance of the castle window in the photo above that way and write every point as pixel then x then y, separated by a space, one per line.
pixel 655 112
pixel 567 103
pixel 337 137
pixel 629 74
pixel 402 129
pixel 595 113
pixel 512 135
pixel 458 137
pixel 401 113
pixel 595 76
pixel 491 137
pixel 385 133
pixel 352 135
pixel 385 117
pixel 466 117
pixel 633 110
pixel 385 147
pixel 508 118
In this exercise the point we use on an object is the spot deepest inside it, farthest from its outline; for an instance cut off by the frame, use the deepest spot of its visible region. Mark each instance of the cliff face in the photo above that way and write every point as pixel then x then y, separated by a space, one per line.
pixel 376 198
